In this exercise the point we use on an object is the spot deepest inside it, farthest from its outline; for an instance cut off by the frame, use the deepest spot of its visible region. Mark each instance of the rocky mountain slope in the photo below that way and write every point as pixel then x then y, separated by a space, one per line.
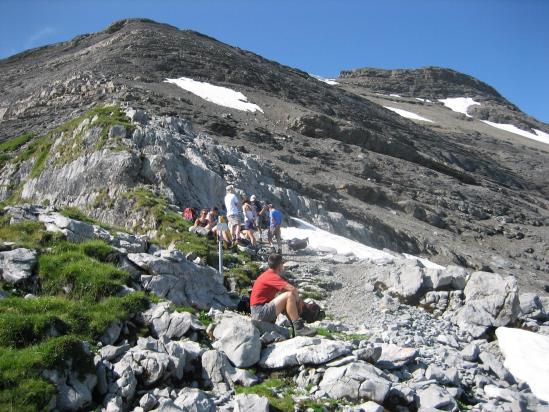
pixel 98 319
pixel 108 302
pixel 457 190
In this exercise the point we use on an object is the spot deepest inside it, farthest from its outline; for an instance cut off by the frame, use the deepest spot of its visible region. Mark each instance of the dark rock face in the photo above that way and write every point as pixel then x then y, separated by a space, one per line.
pixel 329 154
pixel 432 82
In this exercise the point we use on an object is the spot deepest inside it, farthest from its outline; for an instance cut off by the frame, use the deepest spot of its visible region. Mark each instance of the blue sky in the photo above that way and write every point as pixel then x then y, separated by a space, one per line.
pixel 502 42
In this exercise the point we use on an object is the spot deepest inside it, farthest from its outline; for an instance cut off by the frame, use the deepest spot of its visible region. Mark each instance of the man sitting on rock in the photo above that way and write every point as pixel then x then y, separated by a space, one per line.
pixel 266 305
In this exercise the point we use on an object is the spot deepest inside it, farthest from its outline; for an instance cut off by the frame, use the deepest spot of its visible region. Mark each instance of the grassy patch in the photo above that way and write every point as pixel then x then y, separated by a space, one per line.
pixel 11 145
pixel 70 270
pixel 280 392
pixel 312 295
pixel 77 214
pixel 21 389
pixel 340 335
pixel 29 234
pixel 77 301
pixel 29 321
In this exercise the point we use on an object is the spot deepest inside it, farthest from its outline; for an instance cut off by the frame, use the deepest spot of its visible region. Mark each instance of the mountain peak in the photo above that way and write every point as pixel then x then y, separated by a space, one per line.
pixel 431 81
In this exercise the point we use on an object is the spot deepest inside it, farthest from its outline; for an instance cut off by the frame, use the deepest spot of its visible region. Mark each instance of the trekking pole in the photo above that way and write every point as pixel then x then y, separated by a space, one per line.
pixel 220 253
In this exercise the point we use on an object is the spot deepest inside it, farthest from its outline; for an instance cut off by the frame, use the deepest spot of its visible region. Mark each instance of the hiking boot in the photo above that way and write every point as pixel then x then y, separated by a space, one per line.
pixel 301 330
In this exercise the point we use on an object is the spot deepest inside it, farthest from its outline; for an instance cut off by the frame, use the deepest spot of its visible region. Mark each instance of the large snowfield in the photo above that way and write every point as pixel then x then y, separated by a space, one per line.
pixel 459 104
pixel 538 135
pixel 222 96
pixel 408 115
pixel 527 358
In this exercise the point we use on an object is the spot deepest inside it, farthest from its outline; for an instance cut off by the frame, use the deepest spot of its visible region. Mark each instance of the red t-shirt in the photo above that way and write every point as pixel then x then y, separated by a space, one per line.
pixel 266 286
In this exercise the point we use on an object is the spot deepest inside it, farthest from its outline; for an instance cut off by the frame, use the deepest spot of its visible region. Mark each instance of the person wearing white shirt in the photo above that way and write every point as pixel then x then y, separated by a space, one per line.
pixel 232 204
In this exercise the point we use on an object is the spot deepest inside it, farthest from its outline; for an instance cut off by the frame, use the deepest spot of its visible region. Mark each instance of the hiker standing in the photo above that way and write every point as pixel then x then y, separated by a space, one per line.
pixel 233 217
pixel 275 222
pixel 266 305
pixel 258 210
pixel 249 221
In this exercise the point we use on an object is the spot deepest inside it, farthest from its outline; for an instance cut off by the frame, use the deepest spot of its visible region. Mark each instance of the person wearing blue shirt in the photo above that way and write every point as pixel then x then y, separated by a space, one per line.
pixel 275 221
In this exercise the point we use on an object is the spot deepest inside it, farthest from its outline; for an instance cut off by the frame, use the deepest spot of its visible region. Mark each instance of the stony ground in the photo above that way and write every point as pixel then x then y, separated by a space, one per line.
pixel 145 342
pixel 447 357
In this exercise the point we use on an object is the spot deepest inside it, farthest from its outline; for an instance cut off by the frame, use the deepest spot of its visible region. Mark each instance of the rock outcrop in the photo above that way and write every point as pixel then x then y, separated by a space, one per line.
pixel 490 301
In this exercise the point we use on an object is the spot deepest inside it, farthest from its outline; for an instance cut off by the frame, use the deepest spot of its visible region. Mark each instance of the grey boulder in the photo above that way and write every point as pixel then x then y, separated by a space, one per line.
pixel 250 403
pixel 356 381
pixel 172 276
pixel 238 338
pixel 194 400
pixel 163 321
pixel 531 306
pixel 17 265
pixel 302 351
pixel 73 230
pixel 434 397
pixel 221 375
pixel 490 301
pixel 394 357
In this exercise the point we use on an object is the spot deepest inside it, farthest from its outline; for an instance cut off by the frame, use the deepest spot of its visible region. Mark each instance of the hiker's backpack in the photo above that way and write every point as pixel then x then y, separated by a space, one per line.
pixel 298 244
pixel 188 214
pixel 311 312
pixel 244 305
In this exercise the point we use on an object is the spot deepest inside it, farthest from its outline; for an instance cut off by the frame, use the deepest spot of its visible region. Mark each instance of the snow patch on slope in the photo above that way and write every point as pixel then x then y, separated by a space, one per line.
pixel 222 96
pixel 421 99
pixel 425 262
pixel 331 82
pixel 459 104
pixel 538 135
pixel 527 358
pixel 321 239
pixel 408 115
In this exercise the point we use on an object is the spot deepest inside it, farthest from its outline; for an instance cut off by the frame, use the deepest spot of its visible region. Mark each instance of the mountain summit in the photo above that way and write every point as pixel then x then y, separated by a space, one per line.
pixel 427 161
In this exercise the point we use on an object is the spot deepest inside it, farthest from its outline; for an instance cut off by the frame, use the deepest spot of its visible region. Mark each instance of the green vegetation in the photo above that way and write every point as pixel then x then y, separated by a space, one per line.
pixel 280 393
pixel 70 270
pixel 77 301
pixel 29 234
pixel 28 321
pixel 26 146
pixel 76 214
pixel 340 335
pixel 313 295
pixel 20 387
pixel 11 145
pixel 171 226
pixel 102 200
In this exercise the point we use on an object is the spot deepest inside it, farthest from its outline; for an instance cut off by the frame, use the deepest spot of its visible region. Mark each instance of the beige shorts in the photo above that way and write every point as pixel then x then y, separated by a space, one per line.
pixel 233 220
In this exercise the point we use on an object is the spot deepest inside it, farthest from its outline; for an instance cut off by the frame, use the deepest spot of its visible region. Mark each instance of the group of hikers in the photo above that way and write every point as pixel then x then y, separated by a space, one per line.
pixel 238 223
pixel 271 293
